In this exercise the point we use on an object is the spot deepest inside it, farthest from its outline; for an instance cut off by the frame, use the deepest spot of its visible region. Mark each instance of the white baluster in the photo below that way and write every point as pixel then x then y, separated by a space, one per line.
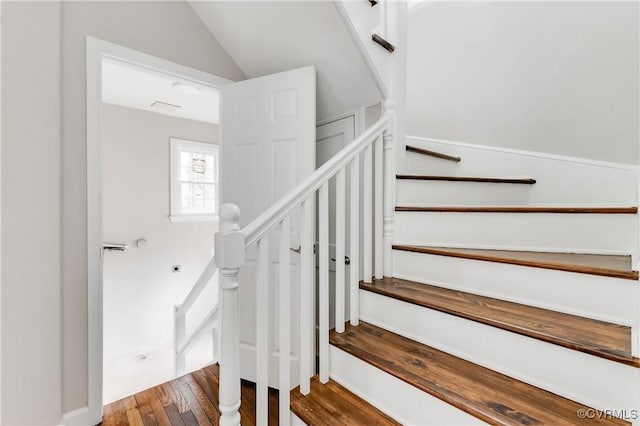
pixel 284 321
pixel 367 207
pixel 306 284
pixel 179 336
pixel 323 290
pixel 215 343
pixel 340 243
pixel 230 255
pixel 378 206
pixel 389 191
pixel 354 223
pixel 262 333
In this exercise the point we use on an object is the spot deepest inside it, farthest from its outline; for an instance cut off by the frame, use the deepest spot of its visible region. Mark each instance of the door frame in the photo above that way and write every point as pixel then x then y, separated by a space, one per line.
pixel 97 50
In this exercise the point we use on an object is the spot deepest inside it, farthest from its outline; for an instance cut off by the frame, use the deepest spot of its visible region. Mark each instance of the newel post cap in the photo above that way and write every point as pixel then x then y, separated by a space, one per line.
pixel 229 242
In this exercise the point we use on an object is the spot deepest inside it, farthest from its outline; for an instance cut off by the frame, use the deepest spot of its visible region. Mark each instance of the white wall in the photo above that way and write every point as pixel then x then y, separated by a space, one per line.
pixel 44 182
pixel 266 37
pixel 31 310
pixel 140 289
pixel 555 77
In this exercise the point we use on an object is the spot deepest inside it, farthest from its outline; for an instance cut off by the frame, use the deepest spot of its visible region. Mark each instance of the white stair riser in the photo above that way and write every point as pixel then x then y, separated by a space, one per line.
pixel 604 298
pixel 586 233
pixel 563 181
pixel 424 164
pixel 588 379
pixel 403 402
pixel 446 193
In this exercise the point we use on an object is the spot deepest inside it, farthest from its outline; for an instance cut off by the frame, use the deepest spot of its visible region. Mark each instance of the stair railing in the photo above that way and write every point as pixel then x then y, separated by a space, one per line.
pixel 181 342
pixel 375 149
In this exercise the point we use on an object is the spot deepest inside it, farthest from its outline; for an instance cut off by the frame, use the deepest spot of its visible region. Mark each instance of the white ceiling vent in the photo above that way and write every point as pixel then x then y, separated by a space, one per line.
pixel 165 107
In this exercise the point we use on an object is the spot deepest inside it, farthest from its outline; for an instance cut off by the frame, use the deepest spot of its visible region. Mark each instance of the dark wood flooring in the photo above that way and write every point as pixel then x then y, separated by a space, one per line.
pixel 192 400
pixel 486 394
pixel 331 404
pixel 604 339
pixel 189 400
pixel 594 264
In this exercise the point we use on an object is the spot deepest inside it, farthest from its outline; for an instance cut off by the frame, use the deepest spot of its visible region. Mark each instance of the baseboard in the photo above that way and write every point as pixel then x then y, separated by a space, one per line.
pixel 78 417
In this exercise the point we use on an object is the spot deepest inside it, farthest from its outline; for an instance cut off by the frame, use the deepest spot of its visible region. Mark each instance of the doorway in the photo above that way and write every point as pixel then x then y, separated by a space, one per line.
pixel 154 249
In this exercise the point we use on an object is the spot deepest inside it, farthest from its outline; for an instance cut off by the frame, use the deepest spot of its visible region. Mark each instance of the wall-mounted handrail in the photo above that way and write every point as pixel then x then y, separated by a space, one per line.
pixel 278 211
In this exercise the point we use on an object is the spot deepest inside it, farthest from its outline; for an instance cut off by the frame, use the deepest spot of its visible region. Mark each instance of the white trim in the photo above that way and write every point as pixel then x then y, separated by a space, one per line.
pixel 330 120
pixel 567 158
pixel 194 218
pixel 97 50
pixel 79 417
pixel 382 88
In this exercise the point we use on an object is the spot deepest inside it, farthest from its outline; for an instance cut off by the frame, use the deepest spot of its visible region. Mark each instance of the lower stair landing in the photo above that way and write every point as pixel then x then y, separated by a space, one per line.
pixel 192 400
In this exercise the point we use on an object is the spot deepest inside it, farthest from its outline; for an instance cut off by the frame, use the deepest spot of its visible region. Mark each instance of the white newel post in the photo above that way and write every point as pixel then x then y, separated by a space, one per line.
pixel 230 255
pixel 389 188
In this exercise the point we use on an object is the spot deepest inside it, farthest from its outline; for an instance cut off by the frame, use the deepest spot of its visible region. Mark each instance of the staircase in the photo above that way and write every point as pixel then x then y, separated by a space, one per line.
pixel 458 333
pixel 474 295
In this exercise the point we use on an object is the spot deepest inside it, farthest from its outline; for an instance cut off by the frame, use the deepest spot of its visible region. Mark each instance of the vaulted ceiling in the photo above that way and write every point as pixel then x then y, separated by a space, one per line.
pixel 269 37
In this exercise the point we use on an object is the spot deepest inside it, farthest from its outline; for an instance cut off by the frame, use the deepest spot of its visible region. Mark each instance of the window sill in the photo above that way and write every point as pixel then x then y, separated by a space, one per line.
pixel 193 218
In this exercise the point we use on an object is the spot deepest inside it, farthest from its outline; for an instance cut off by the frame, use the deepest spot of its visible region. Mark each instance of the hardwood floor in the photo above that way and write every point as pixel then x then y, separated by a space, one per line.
pixel 486 394
pixel 331 404
pixel 192 400
pixel 603 339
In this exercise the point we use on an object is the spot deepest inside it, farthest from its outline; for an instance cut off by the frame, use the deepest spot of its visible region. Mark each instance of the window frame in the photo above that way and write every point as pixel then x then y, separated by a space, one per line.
pixel 177 146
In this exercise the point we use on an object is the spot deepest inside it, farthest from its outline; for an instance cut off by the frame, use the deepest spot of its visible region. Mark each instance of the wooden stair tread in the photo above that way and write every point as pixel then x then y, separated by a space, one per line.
pixel 479 391
pixel 607 340
pixel 526 181
pixel 519 209
pixel 594 264
pixel 332 404
pixel 431 153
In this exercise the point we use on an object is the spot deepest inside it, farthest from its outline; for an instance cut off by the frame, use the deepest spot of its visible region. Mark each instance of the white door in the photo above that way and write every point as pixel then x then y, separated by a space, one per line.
pixel 268 146
pixel 330 139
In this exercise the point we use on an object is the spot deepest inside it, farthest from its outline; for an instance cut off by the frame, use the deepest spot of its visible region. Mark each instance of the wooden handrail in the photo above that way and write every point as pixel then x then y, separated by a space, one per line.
pixel 278 211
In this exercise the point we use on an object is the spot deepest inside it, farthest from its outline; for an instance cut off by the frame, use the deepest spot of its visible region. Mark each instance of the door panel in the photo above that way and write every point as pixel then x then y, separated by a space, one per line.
pixel 268 146
pixel 330 139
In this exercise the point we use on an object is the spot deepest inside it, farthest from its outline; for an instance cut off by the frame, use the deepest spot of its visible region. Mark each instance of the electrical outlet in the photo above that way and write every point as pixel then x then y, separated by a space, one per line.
pixel 175 268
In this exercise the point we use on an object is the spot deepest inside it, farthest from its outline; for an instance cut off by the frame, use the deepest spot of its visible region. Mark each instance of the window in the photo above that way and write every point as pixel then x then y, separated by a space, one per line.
pixel 194 180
